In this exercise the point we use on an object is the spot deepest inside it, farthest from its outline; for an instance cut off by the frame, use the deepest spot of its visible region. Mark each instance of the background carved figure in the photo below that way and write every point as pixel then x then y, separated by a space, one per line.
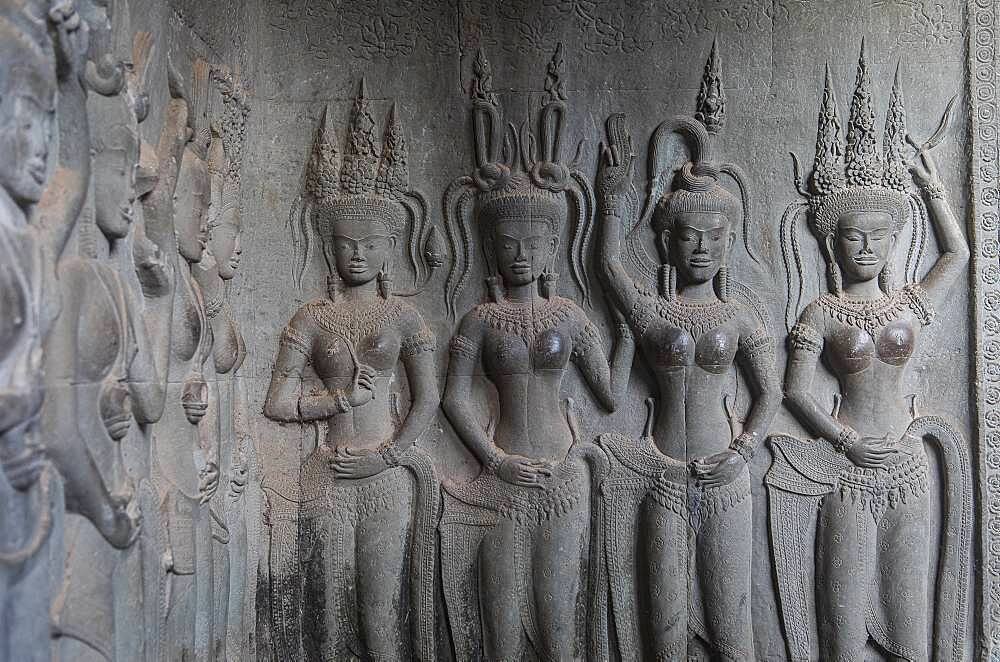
pixel 677 501
pixel 39 206
pixel 868 470
pixel 515 541
pixel 102 373
pixel 363 559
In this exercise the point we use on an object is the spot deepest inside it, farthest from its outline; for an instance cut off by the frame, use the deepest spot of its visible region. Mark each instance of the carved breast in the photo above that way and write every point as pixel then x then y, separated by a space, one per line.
pixel 896 343
pixel 851 350
pixel 508 353
pixel 332 355
pixel 675 348
pixel 188 328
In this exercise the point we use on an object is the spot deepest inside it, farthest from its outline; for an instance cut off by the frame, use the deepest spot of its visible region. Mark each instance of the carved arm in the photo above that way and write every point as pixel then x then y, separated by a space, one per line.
pixel 607 383
pixel 757 358
pixel 466 350
pixel 954 248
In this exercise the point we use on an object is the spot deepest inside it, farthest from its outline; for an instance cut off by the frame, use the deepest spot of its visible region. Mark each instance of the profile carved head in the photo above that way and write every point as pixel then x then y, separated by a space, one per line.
pixel 856 193
pixel 115 160
pixel 225 220
pixel 27 111
pixel 360 204
pixel 192 199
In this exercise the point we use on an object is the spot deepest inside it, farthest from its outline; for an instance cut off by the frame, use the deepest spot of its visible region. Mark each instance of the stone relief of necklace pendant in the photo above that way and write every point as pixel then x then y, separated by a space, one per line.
pixel 679 497
pixel 868 475
pixel 532 496
pixel 368 481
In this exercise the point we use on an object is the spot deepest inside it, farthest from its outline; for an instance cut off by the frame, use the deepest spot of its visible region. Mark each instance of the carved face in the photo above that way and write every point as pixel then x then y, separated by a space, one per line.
pixel 225 245
pixel 698 244
pixel 191 207
pixel 25 128
pixel 523 250
pixel 361 250
pixel 863 244
pixel 114 183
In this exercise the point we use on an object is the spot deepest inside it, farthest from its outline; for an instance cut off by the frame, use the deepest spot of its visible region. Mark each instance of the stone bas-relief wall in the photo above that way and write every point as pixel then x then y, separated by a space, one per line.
pixel 472 331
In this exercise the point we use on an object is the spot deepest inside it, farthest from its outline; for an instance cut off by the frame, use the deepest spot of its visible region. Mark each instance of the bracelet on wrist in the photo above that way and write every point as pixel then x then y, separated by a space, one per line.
pixel 494 460
pixel 390 454
pixel 847 438
pixel 934 190
pixel 610 204
pixel 341 400
pixel 745 445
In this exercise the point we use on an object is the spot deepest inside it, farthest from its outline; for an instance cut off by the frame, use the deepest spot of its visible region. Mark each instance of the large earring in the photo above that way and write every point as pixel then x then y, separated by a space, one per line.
pixel 722 283
pixel 667 278
pixel 494 290
pixel 547 282
pixel 833 275
pixel 384 282
pixel 885 278
pixel 333 287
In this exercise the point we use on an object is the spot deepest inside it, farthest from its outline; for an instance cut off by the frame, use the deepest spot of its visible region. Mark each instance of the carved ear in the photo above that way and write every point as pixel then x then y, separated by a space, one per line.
pixel 553 244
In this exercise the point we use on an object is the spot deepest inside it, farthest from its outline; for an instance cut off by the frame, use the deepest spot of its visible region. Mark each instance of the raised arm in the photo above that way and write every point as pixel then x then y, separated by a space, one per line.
pixel 954 248
pixel 62 201
pixel 608 383
pixel 614 180
pixel 158 204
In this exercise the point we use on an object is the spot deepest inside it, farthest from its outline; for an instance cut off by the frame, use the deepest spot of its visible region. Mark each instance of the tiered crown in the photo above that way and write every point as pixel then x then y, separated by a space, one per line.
pixel 858 175
pixel 369 183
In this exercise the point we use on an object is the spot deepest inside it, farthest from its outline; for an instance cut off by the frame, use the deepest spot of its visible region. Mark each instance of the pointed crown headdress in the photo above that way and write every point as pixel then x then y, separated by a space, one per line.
pixel 695 186
pixel 857 175
pixel 519 176
pixel 853 175
pixel 370 183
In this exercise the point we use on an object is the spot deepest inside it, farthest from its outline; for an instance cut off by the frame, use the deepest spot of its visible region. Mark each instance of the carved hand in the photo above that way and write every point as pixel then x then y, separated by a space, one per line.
pixel 154 271
pixel 72 41
pixel 116 408
pixel 871 452
pixel 356 463
pixel 523 471
pixel 719 469
pixel 194 398
pixel 363 389
pixel 617 161
pixel 208 482
pixel 924 170
pixel 238 480
pixel 121 525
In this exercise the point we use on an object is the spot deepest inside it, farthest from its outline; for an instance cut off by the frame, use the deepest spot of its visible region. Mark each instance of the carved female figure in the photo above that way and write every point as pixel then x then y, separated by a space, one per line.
pixel 524 521
pixel 102 374
pixel 37 215
pixel 683 490
pixel 213 274
pixel 184 464
pixel 368 497
pixel 868 471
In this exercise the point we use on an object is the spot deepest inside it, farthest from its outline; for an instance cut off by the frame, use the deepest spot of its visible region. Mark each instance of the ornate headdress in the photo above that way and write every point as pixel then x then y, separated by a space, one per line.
pixel 518 177
pixel 368 185
pixel 695 186
pixel 856 175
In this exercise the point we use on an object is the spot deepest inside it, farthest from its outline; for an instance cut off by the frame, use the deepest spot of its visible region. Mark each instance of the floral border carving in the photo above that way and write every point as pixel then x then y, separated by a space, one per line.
pixel 982 16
